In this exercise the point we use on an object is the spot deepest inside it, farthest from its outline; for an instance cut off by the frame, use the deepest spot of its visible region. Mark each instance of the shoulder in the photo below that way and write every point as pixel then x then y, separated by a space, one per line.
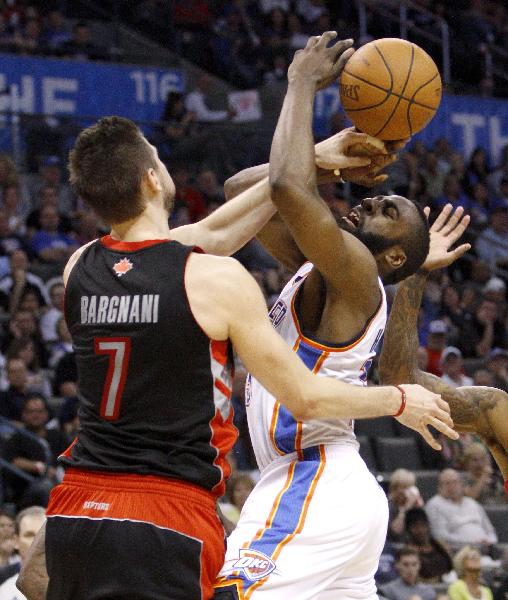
pixel 73 260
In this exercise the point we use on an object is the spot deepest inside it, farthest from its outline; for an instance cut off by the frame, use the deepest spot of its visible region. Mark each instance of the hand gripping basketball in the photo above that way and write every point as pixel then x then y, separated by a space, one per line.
pixel 424 408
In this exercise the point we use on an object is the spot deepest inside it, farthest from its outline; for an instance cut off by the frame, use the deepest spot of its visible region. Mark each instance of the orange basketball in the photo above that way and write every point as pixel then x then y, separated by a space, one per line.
pixel 390 88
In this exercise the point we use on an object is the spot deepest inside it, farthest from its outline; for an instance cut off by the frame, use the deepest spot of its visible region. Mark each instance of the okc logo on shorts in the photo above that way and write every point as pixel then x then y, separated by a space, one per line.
pixel 254 564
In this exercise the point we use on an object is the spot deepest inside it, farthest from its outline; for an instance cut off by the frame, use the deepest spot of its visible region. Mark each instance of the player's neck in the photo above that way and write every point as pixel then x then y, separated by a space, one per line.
pixel 151 224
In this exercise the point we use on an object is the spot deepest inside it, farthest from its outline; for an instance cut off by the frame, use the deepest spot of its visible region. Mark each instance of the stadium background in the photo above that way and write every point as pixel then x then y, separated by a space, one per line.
pixel 205 81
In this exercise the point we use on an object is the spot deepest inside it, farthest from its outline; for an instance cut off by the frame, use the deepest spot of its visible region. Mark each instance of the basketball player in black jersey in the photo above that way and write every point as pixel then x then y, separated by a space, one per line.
pixel 152 322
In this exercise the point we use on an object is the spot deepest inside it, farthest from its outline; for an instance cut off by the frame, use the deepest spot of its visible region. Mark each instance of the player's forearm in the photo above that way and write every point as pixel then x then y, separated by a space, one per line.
pixel 398 360
pixel 243 180
pixel 33 578
pixel 232 225
pixel 292 157
pixel 328 398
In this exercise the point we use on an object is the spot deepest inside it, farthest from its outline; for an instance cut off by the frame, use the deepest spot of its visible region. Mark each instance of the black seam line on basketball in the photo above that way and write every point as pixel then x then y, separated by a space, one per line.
pixel 415 102
pixel 401 93
pixel 411 101
pixel 387 68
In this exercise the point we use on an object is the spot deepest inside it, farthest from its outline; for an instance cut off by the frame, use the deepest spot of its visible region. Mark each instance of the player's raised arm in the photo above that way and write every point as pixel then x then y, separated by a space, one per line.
pixel 293 174
pixel 482 410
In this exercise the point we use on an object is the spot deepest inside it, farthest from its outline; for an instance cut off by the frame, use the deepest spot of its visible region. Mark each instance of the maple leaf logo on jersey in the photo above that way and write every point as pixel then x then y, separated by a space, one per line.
pixel 122 266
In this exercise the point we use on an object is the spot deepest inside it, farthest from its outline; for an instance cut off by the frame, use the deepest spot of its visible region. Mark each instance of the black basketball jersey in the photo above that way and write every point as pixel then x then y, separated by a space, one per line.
pixel 154 389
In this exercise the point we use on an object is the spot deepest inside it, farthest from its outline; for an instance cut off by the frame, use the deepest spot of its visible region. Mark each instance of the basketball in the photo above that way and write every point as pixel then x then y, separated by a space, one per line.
pixel 390 88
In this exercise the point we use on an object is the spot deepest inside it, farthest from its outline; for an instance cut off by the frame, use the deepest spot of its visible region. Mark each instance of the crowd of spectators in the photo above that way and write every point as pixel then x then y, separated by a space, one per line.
pixel 251 42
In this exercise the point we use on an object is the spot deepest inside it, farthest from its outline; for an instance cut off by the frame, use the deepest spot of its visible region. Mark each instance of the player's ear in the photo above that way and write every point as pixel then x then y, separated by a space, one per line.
pixel 151 181
pixel 395 257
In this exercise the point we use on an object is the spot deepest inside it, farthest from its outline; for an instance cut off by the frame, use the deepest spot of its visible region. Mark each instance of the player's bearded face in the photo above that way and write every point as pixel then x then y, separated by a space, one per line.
pixel 168 188
pixel 375 242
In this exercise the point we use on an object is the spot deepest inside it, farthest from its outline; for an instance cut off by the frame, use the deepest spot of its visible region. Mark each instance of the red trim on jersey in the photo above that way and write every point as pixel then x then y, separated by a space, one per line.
pixel 67 452
pixel 158 501
pixel 224 436
pixel 113 244
pixel 220 351
pixel 223 388
pixel 506 486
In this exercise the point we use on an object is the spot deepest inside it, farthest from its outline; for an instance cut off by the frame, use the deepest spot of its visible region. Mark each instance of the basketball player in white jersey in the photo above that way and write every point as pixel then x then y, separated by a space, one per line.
pixel 314 526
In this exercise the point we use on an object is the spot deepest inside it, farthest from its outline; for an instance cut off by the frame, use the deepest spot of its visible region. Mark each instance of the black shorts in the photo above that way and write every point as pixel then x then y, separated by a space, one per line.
pixel 110 538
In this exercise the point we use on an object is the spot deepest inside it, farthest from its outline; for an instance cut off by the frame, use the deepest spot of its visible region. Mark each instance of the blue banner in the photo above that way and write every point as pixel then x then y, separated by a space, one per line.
pixel 57 87
pixel 465 121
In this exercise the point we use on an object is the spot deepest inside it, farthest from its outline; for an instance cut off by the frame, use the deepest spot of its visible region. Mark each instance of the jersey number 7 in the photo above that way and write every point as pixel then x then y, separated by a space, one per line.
pixel 118 350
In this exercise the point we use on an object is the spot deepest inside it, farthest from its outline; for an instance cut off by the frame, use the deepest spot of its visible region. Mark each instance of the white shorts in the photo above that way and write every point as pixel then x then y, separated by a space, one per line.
pixel 311 529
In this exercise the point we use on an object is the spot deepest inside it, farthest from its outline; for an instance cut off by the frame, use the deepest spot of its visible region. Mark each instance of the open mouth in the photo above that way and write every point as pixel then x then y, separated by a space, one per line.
pixel 353 218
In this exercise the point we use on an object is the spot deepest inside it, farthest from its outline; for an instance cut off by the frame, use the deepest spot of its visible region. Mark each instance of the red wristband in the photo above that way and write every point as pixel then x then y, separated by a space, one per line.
pixel 403 401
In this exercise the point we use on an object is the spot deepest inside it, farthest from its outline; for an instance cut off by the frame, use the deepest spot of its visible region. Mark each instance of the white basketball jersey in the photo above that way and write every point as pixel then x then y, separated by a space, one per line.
pixel 273 430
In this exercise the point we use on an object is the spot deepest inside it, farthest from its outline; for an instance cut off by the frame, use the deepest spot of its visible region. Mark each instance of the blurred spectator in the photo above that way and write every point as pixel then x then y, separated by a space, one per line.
pixel 209 187
pixel 57 32
pixel 266 6
pixel 24 349
pixel 406 586
pixel 497 366
pixel 9 242
pixel 48 244
pixel 23 324
pixel 435 560
pixel 467 564
pixel 279 71
pixel 436 343
pixel 453 194
pixel 402 496
pixel 483 331
pixel 28 523
pixel 434 176
pixel 13 398
pixel 483 377
pixel 20 280
pixel 8 172
pixel 479 205
pixel 456 519
pixel 195 102
pixel 35 454
pixel 386 570
pixel 51 316
pixel 178 122
pixel 51 176
pixel 9 560
pixel 28 40
pixel 15 209
pixel 187 195
pixel 311 10
pixel 63 343
pixel 480 482
pixel 477 169
pixel 452 366
pixel 297 38
pixel 492 244
pixel 80 46
pixel 501 592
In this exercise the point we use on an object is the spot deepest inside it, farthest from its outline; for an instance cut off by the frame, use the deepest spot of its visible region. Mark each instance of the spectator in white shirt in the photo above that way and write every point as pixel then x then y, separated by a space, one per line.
pixel 51 317
pixel 28 523
pixel 456 519
pixel 195 102
pixel 453 368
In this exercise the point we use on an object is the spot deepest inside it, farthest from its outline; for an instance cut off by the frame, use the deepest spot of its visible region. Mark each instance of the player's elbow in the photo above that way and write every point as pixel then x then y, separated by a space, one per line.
pixel 281 186
pixel 301 404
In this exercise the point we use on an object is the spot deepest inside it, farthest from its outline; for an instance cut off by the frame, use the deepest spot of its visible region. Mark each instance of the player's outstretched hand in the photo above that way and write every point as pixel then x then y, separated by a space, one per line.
pixel 444 232
pixel 424 408
pixel 320 63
